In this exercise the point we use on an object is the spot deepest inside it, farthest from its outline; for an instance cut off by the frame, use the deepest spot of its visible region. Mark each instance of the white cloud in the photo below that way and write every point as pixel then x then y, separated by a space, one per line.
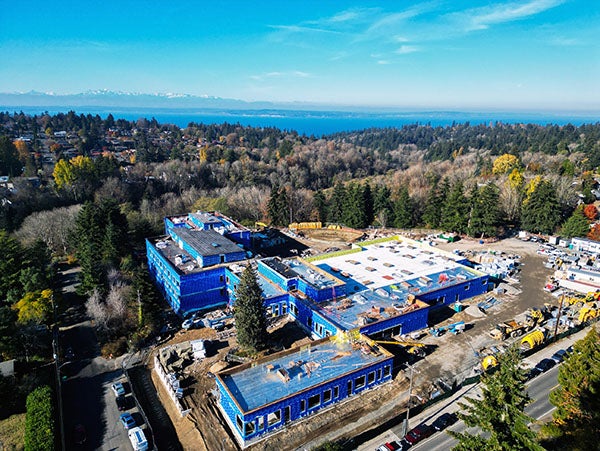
pixel 280 75
pixel 405 49
pixel 383 62
pixel 482 18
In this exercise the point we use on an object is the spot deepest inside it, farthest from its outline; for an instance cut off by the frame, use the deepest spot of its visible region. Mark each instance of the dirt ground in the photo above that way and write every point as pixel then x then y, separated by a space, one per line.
pixel 453 358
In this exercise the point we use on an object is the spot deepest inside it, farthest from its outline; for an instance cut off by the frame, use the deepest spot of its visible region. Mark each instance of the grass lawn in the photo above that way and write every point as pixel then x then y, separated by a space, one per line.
pixel 12 432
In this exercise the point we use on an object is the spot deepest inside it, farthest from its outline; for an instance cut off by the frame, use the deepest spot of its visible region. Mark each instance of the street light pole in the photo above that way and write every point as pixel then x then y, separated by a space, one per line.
pixel 55 354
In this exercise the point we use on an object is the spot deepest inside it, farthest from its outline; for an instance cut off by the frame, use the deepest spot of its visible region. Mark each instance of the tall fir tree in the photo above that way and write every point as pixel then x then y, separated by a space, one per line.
pixel 484 215
pixel 432 214
pixel 383 211
pixel 576 226
pixel 249 313
pixel 320 206
pixel 541 212
pixel 337 202
pixel 403 209
pixel 499 413
pixel 367 196
pixel 355 209
pixel 455 210
pixel 88 244
pixel 575 421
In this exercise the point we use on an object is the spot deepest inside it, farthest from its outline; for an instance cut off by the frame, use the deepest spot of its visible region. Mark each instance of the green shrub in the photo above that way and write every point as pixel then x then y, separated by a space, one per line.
pixel 39 420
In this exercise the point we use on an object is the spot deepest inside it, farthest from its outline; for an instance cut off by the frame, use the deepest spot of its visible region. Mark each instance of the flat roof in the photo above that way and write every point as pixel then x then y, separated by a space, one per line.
pixel 206 218
pixel 206 242
pixel 269 289
pixel 383 264
pixel 366 307
pixel 382 277
pixel 312 274
pixel 289 372
pixel 179 258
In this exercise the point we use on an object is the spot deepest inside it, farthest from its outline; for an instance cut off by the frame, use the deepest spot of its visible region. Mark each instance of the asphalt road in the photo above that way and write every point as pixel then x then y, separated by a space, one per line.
pixel 86 393
pixel 538 389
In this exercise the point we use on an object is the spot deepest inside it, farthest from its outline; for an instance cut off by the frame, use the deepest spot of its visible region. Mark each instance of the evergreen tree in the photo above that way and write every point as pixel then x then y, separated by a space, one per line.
pixel 575 421
pixel 11 264
pixel 432 214
pixel 88 244
pixel 278 207
pixel 249 313
pixel 336 203
pixel 382 206
pixel 355 209
pixel 499 412
pixel 576 226
pixel 9 158
pixel 540 212
pixel 320 206
pixel 484 215
pixel 367 200
pixel 455 210
pixel 403 210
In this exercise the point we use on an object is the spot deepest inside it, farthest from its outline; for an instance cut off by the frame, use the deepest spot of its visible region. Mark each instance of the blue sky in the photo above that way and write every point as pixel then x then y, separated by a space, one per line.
pixel 527 54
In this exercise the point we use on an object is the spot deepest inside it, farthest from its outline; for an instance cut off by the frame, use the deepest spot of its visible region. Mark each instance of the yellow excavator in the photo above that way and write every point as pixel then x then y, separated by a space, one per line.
pixel 588 311
pixel 414 347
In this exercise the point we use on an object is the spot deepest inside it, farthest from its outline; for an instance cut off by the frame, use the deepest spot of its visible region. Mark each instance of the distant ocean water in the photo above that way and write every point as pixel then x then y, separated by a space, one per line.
pixel 319 123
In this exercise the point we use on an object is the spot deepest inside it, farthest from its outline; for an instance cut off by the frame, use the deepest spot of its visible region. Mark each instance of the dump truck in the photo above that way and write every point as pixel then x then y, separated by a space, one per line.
pixel 533 339
pixel 508 329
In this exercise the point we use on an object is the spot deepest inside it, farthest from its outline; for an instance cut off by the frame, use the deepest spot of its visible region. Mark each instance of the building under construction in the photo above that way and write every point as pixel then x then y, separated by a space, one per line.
pixel 379 289
pixel 259 397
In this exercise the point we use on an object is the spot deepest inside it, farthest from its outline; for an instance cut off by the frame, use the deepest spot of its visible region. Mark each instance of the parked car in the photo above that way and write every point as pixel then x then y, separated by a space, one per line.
pixel 533 372
pixel 545 365
pixel 118 389
pixel 419 433
pixel 444 420
pixel 559 355
pixel 127 420
pixel 121 402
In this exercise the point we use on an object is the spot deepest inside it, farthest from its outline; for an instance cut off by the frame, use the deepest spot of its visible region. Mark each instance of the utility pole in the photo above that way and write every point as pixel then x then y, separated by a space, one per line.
pixel 55 354
pixel 560 306
pixel 405 422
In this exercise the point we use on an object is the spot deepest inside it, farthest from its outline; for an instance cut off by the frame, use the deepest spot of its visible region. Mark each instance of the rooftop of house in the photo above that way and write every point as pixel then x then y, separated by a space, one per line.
pixel 289 372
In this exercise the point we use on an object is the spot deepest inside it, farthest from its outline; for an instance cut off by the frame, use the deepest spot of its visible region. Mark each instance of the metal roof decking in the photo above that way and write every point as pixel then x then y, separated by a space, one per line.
pixel 380 265
pixel 290 372
pixel 207 242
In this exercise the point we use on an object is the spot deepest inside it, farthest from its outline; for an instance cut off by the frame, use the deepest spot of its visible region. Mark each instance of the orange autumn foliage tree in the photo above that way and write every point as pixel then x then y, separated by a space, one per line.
pixel 590 211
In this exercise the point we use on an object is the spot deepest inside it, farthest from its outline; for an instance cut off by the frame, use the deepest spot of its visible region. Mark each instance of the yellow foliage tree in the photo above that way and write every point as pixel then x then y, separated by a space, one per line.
pixel 505 163
pixel 516 179
pixel 63 174
pixel 35 306
pixel 531 187
pixel 82 165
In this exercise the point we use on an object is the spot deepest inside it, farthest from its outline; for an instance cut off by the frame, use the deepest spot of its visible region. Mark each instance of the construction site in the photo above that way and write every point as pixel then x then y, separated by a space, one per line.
pixel 456 341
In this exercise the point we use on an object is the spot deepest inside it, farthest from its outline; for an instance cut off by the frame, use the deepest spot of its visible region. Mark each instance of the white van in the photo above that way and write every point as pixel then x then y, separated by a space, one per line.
pixel 138 439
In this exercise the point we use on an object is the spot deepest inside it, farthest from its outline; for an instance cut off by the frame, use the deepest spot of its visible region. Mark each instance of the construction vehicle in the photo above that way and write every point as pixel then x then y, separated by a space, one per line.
pixel 413 347
pixel 488 362
pixel 533 339
pixel 508 329
pixel 454 328
pixel 588 312
pixel 534 317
